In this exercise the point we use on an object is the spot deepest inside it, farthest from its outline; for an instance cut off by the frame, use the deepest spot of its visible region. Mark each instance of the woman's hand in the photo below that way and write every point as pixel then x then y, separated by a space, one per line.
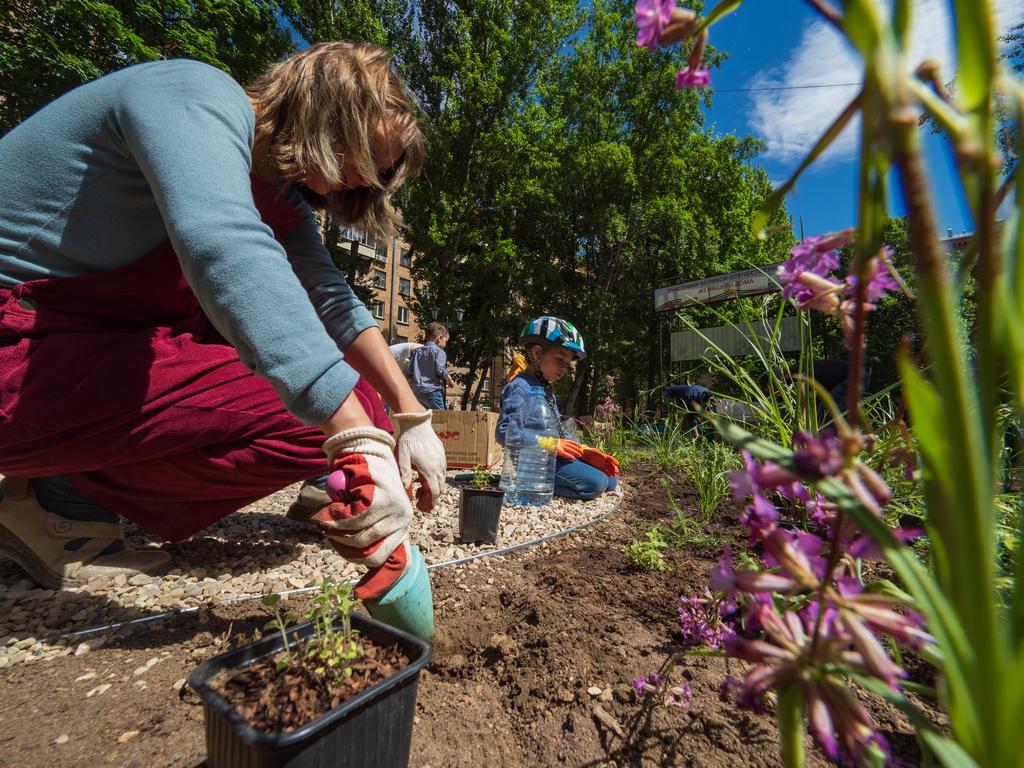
pixel 367 523
pixel 421 449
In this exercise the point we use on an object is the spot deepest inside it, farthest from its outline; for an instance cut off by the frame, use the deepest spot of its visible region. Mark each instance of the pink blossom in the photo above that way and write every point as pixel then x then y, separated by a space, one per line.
pixel 679 696
pixel 651 17
pixel 692 78
pixel 760 517
pixel 818 457
pixel 702 621
pixel 880 280
pixel 724 579
pixel 647 684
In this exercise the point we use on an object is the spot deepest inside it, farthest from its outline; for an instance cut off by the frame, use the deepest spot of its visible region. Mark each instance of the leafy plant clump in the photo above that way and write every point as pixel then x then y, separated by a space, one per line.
pixel 708 470
pixel 482 478
pixel 646 554
pixel 331 652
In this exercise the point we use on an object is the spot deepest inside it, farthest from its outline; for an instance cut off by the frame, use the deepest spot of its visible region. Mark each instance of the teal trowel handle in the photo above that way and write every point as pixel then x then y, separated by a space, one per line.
pixel 409 604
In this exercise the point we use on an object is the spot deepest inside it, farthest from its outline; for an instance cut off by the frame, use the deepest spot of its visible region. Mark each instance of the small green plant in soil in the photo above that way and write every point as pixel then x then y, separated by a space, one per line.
pixel 482 478
pixel 708 469
pixel 687 531
pixel 646 554
pixel 331 651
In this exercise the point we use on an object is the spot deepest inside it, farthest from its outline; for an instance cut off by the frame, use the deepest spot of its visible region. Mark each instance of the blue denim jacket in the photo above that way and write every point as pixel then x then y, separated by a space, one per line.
pixel 513 399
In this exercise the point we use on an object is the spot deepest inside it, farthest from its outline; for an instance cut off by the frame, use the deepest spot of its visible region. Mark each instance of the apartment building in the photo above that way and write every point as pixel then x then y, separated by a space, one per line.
pixel 388 265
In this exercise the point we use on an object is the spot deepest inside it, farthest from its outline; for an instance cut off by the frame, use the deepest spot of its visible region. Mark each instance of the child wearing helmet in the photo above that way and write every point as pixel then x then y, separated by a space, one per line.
pixel 549 345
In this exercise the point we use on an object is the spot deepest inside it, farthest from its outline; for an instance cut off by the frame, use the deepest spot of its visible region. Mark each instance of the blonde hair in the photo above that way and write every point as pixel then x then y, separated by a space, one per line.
pixel 326 103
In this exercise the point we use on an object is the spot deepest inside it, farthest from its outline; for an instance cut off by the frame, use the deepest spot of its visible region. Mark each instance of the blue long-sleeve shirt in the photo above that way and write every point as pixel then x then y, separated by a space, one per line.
pixel 513 399
pixel 106 173
pixel 428 365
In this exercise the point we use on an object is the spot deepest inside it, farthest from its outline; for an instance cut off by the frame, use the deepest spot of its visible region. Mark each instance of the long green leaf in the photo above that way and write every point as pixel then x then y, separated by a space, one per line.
pixel 790 715
pixel 716 13
pixel 950 754
pixel 976 56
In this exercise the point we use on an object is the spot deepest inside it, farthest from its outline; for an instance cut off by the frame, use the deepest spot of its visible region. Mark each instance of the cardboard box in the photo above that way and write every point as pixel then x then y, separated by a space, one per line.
pixel 468 437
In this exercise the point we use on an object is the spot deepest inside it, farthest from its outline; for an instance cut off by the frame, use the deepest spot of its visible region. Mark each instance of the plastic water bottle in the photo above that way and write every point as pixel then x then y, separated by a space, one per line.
pixel 535 466
pixel 510 456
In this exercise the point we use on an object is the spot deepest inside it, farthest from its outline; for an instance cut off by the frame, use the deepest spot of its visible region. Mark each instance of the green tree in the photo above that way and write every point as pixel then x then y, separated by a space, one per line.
pixel 639 195
pixel 474 69
pixel 49 48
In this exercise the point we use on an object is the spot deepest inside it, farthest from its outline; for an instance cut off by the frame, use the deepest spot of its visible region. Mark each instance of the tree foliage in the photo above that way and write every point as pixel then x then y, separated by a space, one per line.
pixel 49 48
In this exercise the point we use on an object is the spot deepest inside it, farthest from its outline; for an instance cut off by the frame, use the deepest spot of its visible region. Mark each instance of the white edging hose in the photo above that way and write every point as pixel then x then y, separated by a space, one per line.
pixel 448 563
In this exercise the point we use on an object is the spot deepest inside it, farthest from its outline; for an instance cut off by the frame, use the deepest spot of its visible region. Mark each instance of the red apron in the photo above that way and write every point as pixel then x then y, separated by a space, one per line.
pixel 119 380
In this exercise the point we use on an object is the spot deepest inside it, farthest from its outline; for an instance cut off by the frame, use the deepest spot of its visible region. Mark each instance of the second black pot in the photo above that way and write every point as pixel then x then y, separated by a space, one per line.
pixel 479 514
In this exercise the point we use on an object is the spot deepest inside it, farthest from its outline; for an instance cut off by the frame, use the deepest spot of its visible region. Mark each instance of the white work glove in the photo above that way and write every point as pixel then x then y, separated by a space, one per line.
pixel 421 449
pixel 371 514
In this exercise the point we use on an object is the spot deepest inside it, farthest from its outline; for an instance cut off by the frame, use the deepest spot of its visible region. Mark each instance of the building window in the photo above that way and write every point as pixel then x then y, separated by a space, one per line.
pixel 402 339
pixel 403 315
pixel 380 278
pixel 486 386
pixel 405 258
pixel 357 235
pixel 404 286
pixel 378 310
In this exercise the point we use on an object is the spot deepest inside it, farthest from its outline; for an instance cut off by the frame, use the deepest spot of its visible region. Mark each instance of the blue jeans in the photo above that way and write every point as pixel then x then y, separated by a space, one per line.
pixel 433 399
pixel 576 480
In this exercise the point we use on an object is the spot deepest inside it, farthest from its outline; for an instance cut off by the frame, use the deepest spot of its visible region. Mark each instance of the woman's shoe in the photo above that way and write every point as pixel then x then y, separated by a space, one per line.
pixel 59 552
pixel 311 499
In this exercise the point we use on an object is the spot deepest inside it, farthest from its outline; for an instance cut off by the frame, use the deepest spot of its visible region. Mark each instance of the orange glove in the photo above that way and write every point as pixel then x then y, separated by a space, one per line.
pixel 568 449
pixel 564 449
pixel 368 518
pixel 600 460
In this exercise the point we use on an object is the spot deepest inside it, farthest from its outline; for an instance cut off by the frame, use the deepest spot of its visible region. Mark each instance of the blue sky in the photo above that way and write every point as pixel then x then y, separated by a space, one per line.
pixel 775 46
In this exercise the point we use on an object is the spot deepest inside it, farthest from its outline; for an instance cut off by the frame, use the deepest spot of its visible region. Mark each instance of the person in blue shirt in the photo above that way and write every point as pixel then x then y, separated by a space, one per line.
pixel 428 368
pixel 549 346
pixel 175 341
pixel 691 398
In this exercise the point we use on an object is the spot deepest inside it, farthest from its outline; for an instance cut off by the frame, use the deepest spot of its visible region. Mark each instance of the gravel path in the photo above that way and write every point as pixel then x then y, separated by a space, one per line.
pixel 253 552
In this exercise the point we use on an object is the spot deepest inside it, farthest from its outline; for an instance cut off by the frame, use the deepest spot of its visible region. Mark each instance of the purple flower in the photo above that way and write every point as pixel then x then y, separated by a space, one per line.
pixel 753 477
pixel 818 457
pixel 880 279
pixel 679 696
pixel 651 17
pixel 646 684
pixel 692 78
pixel 760 517
pixel 702 621
pixel 797 555
pixel 723 579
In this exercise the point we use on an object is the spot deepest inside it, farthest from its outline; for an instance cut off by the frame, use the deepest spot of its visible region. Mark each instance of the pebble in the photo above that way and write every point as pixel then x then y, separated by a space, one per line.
pixel 214 567
pixel 99 689
pixel 64 738
pixel 90 645
pixel 594 690
pixel 127 736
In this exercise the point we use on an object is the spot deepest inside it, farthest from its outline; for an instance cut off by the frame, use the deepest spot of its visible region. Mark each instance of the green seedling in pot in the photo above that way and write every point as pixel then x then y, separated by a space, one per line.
pixel 280 623
pixel 331 651
pixel 481 477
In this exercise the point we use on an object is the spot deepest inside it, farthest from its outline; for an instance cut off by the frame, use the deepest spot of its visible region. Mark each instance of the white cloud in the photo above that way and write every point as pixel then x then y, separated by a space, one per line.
pixel 791 121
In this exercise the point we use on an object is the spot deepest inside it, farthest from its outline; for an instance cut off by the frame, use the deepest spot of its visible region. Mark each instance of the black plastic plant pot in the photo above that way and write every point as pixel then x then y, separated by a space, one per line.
pixel 479 513
pixel 372 729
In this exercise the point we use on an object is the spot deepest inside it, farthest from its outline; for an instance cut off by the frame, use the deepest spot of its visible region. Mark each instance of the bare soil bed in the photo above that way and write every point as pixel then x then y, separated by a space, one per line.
pixel 532 666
